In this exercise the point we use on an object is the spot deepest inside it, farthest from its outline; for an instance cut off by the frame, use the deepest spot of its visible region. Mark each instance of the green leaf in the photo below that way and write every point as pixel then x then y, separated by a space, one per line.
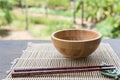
pixel 78 7
pixel 99 13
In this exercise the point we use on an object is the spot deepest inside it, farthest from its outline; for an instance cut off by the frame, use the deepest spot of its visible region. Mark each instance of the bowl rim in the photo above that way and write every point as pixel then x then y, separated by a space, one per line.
pixel 98 37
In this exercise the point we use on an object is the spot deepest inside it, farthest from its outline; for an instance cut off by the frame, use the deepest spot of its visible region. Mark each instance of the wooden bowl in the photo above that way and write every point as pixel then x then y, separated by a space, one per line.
pixel 76 43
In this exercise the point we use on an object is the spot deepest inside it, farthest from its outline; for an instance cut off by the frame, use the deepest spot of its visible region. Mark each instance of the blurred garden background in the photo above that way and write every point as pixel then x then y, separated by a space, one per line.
pixel 37 19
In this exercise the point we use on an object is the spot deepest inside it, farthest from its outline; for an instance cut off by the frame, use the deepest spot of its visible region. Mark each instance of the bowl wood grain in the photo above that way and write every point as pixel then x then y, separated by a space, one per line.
pixel 76 43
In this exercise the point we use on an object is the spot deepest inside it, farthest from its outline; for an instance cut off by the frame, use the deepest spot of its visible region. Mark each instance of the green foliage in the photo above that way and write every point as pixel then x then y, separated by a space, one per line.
pixel 58 26
pixel 18 22
pixel 50 25
pixel 105 28
pixel 19 17
pixel 65 13
pixel 98 8
pixel 33 3
pixel 46 26
pixel 2 18
pixel 18 25
pixel 7 15
pixel 104 14
pixel 78 7
pixel 60 12
pixel 6 4
pixel 38 31
pixel 47 21
pixel 116 27
pixel 40 27
pixel 44 31
pixel 109 27
pixel 5 7
pixel 58 3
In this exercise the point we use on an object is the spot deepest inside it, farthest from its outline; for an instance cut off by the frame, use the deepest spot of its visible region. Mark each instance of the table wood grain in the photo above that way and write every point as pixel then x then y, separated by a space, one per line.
pixel 11 49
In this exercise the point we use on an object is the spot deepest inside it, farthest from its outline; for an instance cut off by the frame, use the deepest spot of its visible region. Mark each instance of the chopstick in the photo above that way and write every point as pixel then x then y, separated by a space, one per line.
pixel 56 71
pixel 59 68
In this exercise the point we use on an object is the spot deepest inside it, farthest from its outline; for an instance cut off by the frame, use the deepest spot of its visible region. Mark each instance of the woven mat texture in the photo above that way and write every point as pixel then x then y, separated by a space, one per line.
pixel 45 55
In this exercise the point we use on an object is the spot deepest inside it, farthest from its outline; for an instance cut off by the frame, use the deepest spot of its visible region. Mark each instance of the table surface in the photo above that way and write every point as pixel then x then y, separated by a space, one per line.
pixel 11 49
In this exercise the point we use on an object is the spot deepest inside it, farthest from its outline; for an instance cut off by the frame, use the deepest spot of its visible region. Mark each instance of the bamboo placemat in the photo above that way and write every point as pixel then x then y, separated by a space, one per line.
pixel 45 55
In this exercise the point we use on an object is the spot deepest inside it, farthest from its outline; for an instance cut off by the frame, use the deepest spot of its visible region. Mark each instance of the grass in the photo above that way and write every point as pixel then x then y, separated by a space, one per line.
pixel 46 26
pixel 40 27
pixel 18 25
pixel 66 13
pixel 104 28
pixel 39 32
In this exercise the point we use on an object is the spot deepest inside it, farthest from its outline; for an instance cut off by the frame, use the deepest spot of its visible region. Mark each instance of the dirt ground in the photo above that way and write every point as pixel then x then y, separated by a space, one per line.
pixel 6 33
pixel 19 35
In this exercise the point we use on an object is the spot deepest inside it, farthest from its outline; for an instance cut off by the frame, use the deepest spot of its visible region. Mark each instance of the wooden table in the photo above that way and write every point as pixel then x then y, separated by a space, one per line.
pixel 11 49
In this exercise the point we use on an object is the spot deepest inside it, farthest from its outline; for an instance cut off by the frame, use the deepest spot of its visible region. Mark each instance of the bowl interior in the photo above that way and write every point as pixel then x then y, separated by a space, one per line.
pixel 76 35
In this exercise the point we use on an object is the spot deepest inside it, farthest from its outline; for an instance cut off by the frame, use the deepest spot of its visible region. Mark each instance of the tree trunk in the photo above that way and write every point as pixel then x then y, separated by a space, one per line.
pixel 46 8
pixel 26 9
pixel 74 7
pixel 82 13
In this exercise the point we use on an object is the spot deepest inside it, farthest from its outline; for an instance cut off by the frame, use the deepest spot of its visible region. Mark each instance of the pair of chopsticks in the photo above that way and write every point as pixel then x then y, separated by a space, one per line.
pixel 42 71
